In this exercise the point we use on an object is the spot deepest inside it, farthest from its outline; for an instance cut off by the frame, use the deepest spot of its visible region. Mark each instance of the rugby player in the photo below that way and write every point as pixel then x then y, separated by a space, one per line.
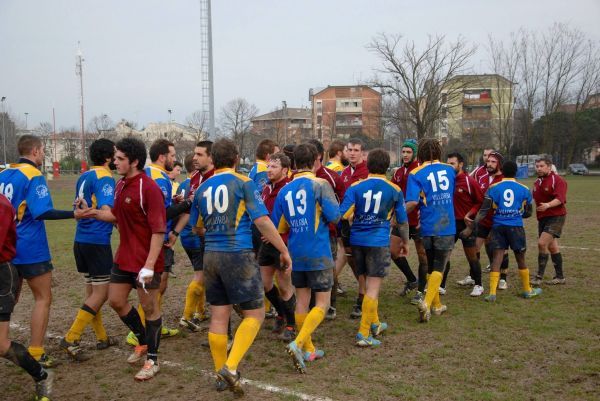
pixel 370 204
pixel 92 250
pixel 25 187
pixel 303 208
pixel 510 202
pixel 356 170
pixel 550 195
pixel 481 170
pixel 336 156
pixel 223 208
pixel 140 215
pixel 431 187
pixel 9 288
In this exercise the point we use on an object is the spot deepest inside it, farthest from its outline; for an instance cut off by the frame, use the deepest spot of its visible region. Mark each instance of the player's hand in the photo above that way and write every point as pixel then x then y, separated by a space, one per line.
pixel 469 221
pixel 264 240
pixel 542 207
pixel 286 261
pixel 172 240
pixel 404 249
pixel 178 198
pixel 466 233
pixel 145 276
pixel 82 210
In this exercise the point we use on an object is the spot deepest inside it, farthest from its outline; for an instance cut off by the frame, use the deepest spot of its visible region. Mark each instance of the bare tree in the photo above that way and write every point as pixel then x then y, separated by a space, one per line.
pixel 418 77
pixel 236 121
pixel 101 126
pixel 197 121
pixel 589 78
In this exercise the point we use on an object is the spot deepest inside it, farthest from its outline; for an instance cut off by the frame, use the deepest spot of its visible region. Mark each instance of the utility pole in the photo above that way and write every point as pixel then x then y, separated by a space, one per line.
pixel 206 62
pixel 3 129
pixel 26 115
pixel 79 72
pixel 55 169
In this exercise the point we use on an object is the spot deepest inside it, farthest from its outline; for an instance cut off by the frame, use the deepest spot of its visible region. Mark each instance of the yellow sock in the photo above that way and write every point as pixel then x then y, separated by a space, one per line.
pixel 267 304
pixel 308 344
pixel 524 273
pixel 494 279
pixel 436 300
pixel 82 319
pixel 142 314
pixel 98 327
pixel 244 337
pixel 218 349
pixel 433 286
pixel 375 317
pixel 192 294
pixel 36 352
pixel 312 321
pixel 367 316
pixel 201 300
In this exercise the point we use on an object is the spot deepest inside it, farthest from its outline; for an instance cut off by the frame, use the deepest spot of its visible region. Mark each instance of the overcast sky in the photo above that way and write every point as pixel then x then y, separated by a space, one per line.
pixel 142 57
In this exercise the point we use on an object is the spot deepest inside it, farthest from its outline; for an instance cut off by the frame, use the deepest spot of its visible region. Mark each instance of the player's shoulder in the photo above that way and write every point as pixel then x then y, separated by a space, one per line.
pixel 241 177
pixel 26 170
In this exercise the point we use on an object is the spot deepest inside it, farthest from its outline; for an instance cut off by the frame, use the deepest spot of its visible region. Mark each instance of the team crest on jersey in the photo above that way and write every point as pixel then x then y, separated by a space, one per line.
pixel 460 190
pixel 41 191
pixel 107 190
pixel 258 196
pixel 128 200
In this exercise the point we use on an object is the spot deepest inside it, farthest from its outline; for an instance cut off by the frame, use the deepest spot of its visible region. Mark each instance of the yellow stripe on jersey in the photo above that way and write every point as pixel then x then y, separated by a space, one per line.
pixel 423 197
pixel 317 215
pixel 27 169
pixel 101 172
pixel 94 201
pixel 283 226
pixel 349 213
pixel 240 212
pixel 21 210
pixel 261 165
pixel 200 222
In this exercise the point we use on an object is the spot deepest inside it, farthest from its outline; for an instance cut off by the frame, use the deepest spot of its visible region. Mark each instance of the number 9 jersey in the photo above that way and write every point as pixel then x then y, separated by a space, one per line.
pixel 509 198
pixel 224 206
pixel 432 185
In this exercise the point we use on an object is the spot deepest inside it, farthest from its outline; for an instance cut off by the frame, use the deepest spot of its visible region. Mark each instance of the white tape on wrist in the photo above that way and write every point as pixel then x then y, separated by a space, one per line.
pixel 144 273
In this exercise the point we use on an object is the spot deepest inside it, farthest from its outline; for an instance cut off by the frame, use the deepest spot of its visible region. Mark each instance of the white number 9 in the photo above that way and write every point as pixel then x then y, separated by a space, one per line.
pixel 509 197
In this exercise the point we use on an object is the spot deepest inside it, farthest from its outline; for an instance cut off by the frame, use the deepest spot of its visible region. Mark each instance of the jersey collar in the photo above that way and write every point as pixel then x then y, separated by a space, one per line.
pixel 304 174
pixel 377 175
pixel 100 168
pixel 24 160
pixel 224 170
pixel 156 166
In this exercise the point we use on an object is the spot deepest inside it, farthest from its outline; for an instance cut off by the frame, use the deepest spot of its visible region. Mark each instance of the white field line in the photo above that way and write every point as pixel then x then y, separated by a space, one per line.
pixel 255 383
pixel 580 248
pixel 583 201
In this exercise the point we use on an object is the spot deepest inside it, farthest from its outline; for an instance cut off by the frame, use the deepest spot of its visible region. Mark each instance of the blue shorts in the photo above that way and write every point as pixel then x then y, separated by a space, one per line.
pixel 504 237
pixel 31 270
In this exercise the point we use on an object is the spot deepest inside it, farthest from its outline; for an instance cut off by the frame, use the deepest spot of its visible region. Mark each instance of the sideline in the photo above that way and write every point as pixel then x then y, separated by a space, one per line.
pixel 579 248
pixel 255 383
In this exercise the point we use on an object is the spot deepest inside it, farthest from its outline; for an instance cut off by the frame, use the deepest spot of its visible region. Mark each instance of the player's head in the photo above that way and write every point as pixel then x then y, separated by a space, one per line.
pixel 319 146
pixel 355 148
pixel 543 165
pixel 486 154
pixel 177 167
pixel 336 149
pixel 266 148
pixel 305 155
pixel 494 162
pixel 101 151
pixel 188 162
pixel 225 153
pixel 429 149
pixel 409 151
pixel 130 156
pixel 289 152
pixel 162 152
pixel 378 161
pixel 32 148
pixel 509 169
pixel 278 167
pixel 202 156
pixel 456 160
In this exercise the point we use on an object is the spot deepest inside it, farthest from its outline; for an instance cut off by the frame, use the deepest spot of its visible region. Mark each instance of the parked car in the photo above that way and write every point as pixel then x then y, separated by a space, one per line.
pixel 578 168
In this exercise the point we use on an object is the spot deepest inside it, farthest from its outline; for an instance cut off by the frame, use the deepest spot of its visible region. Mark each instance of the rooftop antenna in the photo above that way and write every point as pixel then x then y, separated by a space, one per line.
pixel 206 63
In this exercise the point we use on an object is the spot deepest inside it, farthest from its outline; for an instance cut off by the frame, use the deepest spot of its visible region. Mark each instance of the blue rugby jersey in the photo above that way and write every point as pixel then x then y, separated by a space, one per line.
pixel 304 207
pixel 432 185
pixel 188 238
pixel 161 178
pixel 373 202
pixel 97 187
pixel 258 174
pixel 224 205
pixel 509 198
pixel 26 189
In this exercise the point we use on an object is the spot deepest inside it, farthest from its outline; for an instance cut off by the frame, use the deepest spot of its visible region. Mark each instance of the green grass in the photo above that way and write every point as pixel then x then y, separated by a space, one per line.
pixel 541 349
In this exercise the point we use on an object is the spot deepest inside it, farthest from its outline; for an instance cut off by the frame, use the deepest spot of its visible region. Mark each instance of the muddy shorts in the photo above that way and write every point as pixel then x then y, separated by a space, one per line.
pixel 118 276
pixel 9 289
pixel 95 261
pixel 372 261
pixel 439 242
pixel 169 259
pixel 196 256
pixel 483 231
pixel 316 280
pixel 504 237
pixel 333 245
pixel 552 225
pixel 468 242
pixel 233 278
pixel 268 255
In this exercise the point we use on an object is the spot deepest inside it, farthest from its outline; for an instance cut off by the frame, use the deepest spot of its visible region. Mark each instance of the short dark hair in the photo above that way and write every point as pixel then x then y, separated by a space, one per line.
pixel 264 148
pixel 509 169
pixel 100 150
pixel 378 161
pixel 283 159
pixel 289 152
pixel 206 145
pixel 305 155
pixel 27 143
pixel 546 158
pixel 457 156
pixel 318 145
pixel 335 147
pixel 177 163
pixel 429 150
pixel 160 147
pixel 357 141
pixel 224 153
pixel 188 162
pixel 134 149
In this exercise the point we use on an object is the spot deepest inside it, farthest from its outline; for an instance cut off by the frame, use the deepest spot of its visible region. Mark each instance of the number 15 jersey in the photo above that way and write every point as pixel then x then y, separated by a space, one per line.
pixel 432 185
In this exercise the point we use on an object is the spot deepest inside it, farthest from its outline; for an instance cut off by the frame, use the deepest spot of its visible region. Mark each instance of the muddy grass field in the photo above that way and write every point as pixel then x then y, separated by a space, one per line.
pixel 541 349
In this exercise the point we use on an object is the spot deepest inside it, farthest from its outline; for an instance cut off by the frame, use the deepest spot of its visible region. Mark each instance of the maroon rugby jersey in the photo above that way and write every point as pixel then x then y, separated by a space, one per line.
pixel 400 178
pixel 467 196
pixel 548 188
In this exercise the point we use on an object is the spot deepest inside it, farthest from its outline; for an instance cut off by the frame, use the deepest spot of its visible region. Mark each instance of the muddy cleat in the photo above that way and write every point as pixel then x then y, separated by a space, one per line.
pixel 47 362
pixel 536 281
pixel 74 350
pixel 271 313
pixel 220 384
pixel 502 285
pixel 490 298
pixel 297 357
pixel 43 388
pixel 477 291
pixel 166 332
pixel 377 329
pixel 132 339
pixel 408 287
pixel 139 353
pixel 109 342
pixel 278 325
pixel 148 371
pixel 424 312
pixel 533 293
pixel 439 310
pixel 189 324
pixel 442 291
pixel 356 312
pixel 288 334
pixel 313 356
pixel 232 380
pixel 467 281
pixel 417 298
pixel 340 290
pixel 363 341
pixel 556 281
pixel 331 313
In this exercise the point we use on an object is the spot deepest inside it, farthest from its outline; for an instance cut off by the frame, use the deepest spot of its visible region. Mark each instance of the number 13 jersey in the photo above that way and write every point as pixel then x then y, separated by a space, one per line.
pixel 432 185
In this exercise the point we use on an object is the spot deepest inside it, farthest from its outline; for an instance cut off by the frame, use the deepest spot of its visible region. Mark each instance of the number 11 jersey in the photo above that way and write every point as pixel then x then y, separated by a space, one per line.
pixel 432 185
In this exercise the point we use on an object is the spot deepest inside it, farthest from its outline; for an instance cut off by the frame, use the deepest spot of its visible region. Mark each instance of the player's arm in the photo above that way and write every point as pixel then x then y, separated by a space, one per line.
pixel 527 206
pixel 178 209
pixel 401 218
pixel 413 189
pixel 54 214
pixel 484 209
pixel 476 198
pixel 181 223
